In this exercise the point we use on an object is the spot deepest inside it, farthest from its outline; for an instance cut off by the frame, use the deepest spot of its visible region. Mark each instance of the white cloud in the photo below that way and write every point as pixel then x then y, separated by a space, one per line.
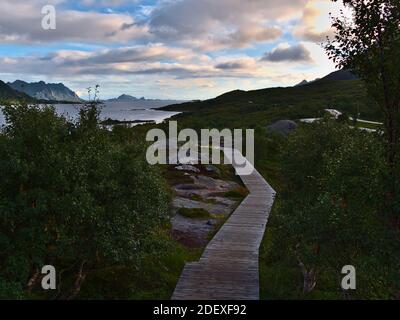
pixel 211 25
pixel 170 46
pixel 315 24
pixel 20 22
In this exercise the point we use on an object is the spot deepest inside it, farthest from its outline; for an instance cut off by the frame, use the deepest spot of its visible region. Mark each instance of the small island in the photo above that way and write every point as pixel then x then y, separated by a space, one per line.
pixel 112 122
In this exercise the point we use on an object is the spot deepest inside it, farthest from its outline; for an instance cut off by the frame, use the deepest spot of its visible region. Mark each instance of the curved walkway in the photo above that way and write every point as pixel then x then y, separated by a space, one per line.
pixel 228 268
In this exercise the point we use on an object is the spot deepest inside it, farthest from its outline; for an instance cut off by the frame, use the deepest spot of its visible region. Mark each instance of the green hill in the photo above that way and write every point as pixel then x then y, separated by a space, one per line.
pixel 238 108
pixel 9 94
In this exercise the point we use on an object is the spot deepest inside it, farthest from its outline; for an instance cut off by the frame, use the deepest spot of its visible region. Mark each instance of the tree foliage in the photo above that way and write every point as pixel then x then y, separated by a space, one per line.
pixel 332 211
pixel 369 44
pixel 73 195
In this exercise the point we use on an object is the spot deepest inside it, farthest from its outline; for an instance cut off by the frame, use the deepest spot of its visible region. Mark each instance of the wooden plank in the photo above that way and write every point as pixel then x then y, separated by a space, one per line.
pixel 228 268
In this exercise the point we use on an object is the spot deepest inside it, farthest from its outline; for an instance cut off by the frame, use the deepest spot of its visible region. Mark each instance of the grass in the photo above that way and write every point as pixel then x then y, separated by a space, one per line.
pixel 197 197
pixel 238 193
pixel 175 177
pixel 194 213
pixel 366 125
pixel 233 110
pixel 154 278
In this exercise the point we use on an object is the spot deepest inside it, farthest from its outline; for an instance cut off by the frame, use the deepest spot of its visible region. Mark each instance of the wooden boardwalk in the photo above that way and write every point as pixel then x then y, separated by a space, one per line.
pixel 228 268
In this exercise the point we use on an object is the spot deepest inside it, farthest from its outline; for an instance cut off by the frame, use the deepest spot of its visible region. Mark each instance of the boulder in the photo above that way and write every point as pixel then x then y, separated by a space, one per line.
pixel 283 127
pixel 211 168
pixel 187 167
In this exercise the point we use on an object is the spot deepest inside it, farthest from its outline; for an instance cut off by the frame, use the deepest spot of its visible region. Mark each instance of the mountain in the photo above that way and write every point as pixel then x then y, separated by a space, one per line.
pixel 127 98
pixel 124 98
pixel 340 75
pixel 8 93
pixel 143 103
pixel 249 109
pixel 46 91
pixel 304 82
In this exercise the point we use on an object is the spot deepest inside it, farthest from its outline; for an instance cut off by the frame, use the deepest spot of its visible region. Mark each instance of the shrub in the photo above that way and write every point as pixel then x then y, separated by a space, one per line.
pixel 334 209
pixel 74 196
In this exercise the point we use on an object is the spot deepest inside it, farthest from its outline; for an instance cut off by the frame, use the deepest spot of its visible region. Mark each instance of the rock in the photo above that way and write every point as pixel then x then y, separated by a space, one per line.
pixel 190 232
pixel 283 127
pixel 211 168
pixel 187 187
pixel 221 200
pixel 204 193
pixel 213 208
pixel 187 167
pixel 210 222
pixel 214 185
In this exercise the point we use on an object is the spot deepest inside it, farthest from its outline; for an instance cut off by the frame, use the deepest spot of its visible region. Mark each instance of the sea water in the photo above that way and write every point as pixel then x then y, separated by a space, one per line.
pixel 122 111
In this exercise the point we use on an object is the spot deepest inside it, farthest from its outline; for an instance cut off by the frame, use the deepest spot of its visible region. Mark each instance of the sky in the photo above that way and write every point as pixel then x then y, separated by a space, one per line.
pixel 167 49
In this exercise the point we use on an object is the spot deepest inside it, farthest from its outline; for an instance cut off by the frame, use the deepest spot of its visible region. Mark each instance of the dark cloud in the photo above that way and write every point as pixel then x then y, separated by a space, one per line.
pixel 296 53
pixel 228 66
pixel 235 65
pixel 150 53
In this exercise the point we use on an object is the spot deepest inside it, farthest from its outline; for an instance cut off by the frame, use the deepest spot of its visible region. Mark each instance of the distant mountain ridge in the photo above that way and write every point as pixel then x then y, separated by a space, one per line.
pixel 304 82
pixel 125 97
pixel 143 103
pixel 46 91
pixel 340 75
pixel 7 93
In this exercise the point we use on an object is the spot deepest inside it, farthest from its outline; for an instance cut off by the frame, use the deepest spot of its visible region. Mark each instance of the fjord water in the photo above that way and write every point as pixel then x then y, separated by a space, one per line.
pixel 122 111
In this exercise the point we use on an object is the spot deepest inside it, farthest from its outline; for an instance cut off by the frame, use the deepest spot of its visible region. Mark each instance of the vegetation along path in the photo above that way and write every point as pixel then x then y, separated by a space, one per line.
pixel 228 268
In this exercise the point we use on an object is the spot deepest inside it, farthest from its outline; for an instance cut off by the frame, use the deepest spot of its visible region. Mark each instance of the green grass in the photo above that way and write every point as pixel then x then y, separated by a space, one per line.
pixel 238 193
pixel 233 110
pixel 154 278
pixel 374 126
pixel 194 213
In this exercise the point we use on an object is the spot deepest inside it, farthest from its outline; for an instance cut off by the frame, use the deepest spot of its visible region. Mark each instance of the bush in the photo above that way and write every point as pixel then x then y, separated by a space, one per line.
pixel 333 210
pixel 74 196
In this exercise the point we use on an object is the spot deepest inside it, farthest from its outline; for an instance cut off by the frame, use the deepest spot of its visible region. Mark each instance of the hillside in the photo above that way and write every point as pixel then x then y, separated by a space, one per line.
pixel 340 75
pixel 261 107
pixel 9 94
pixel 46 91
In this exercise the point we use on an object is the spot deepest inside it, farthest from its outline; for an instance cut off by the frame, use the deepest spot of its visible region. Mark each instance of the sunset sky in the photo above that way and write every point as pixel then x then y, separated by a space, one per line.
pixel 178 49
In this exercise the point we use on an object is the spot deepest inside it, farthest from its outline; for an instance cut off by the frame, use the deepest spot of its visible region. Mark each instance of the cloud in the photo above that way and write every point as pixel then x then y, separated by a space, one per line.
pixel 221 24
pixel 206 25
pixel 21 22
pixel 108 3
pixel 134 54
pixel 169 44
pixel 237 64
pixel 145 60
pixel 315 24
pixel 286 53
